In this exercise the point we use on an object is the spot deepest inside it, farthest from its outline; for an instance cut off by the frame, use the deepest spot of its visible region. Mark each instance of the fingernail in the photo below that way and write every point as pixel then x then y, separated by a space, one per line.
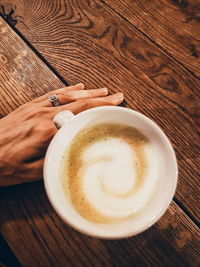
pixel 119 96
pixel 104 90
pixel 80 84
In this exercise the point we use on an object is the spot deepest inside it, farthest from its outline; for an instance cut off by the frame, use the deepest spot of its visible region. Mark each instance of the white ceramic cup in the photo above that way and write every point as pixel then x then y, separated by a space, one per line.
pixel 70 126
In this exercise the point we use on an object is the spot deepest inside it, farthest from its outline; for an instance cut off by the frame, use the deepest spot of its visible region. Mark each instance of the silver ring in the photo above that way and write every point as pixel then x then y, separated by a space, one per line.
pixel 54 100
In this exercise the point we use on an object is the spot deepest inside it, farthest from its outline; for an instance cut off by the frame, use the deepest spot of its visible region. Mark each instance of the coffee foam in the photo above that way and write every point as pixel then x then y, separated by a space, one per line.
pixel 110 172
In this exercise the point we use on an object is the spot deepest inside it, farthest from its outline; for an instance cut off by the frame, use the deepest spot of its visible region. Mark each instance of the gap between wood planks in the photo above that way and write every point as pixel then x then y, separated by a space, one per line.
pixel 36 52
pixel 189 215
pixel 181 206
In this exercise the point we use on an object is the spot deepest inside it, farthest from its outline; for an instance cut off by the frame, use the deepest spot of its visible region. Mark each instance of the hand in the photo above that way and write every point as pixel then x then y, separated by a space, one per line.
pixel 26 132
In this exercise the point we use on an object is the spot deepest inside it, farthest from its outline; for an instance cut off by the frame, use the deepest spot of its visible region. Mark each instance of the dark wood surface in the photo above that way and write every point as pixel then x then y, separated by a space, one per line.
pixel 22 75
pixel 39 238
pixel 90 41
pixel 87 41
pixel 171 24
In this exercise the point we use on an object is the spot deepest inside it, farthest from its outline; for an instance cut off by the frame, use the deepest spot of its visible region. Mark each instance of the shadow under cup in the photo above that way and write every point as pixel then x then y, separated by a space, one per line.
pixel 161 197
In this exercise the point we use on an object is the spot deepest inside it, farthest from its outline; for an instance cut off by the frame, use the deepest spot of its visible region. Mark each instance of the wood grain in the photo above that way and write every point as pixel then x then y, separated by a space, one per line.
pixel 87 41
pixel 172 24
pixel 19 67
pixel 39 237
pixel 92 54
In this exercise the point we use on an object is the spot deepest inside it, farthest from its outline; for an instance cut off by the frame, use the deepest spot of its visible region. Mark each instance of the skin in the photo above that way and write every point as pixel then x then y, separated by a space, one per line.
pixel 26 132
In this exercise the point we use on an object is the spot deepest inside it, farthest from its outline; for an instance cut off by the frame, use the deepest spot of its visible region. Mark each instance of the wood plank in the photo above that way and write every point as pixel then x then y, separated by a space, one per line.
pixel 19 67
pixel 40 238
pixel 87 41
pixel 174 25
pixel 189 169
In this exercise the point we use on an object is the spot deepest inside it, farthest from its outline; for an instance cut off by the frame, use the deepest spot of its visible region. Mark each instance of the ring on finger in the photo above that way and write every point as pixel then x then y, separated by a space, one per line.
pixel 54 100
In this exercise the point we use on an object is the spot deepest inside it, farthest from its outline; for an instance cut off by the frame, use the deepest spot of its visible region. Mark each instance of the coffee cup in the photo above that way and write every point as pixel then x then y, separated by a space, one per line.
pixel 109 172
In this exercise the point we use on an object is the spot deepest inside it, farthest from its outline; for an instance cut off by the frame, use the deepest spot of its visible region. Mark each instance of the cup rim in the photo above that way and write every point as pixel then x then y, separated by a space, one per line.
pixel 47 182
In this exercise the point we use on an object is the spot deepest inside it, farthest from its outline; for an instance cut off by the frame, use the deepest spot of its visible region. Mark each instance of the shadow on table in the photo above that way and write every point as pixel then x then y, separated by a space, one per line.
pixel 25 209
pixel 23 201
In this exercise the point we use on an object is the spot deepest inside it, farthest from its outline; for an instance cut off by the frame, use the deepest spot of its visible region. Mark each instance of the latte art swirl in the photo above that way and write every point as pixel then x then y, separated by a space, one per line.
pixel 107 172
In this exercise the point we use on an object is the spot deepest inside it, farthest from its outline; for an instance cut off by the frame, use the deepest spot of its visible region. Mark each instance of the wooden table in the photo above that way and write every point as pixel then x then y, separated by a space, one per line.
pixel 149 50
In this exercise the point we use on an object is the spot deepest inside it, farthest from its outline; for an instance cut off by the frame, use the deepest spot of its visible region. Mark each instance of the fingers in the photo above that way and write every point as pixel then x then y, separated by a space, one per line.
pixel 84 104
pixel 79 86
pixel 67 96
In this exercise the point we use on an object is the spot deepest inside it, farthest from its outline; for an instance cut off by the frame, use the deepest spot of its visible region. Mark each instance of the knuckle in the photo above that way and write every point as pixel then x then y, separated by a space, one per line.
pixel 39 112
pixel 32 110
pixel 51 128
pixel 25 106
pixel 67 94
pixel 63 98
pixel 41 125
pixel 45 127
